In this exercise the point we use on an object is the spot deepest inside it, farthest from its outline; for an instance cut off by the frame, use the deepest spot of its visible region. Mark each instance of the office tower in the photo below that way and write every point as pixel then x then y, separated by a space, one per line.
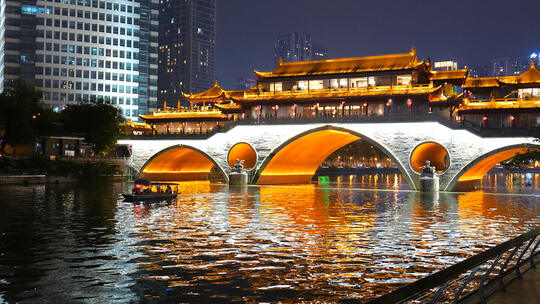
pixel 297 47
pixel 508 66
pixel 82 50
pixel 244 83
pixel 187 44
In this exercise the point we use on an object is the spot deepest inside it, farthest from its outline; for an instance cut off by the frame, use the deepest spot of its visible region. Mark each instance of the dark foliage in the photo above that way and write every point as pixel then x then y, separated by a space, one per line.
pixel 100 123
pixel 22 119
pixel 522 160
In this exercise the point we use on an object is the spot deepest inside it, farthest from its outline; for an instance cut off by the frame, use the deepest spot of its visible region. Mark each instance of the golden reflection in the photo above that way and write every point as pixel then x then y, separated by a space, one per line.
pixel 477 208
pixel 339 241
pixel 298 160
pixel 316 215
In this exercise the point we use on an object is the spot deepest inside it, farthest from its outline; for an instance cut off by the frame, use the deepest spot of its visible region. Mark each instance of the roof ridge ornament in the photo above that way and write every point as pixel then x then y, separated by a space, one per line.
pixel 413 50
pixel 280 60
pixel 533 66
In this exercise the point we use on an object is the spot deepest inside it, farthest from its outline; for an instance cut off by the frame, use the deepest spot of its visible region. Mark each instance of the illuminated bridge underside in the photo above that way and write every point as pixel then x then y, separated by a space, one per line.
pixel 474 174
pixel 292 153
pixel 297 161
pixel 178 164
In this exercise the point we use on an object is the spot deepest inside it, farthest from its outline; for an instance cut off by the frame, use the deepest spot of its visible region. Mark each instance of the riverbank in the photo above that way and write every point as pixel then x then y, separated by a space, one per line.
pixel 44 179
pixel 39 170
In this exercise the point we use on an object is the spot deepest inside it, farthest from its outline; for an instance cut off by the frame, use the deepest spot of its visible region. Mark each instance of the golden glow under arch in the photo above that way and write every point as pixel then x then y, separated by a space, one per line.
pixel 179 163
pixel 296 160
pixel 242 151
pixel 473 173
pixel 436 153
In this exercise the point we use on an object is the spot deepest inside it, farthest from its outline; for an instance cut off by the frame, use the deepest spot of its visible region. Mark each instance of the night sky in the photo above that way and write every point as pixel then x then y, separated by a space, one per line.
pixel 470 32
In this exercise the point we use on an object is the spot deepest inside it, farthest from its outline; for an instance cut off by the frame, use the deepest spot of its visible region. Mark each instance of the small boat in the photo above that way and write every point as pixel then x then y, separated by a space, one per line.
pixel 142 192
pixel 152 197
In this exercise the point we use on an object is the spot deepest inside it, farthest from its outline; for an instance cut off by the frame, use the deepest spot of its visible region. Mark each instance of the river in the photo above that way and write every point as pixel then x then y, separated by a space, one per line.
pixel 354 237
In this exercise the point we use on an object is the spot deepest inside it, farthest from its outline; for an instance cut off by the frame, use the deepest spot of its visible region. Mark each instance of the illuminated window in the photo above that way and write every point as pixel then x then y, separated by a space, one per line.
pixel 316 84
pixel 404 80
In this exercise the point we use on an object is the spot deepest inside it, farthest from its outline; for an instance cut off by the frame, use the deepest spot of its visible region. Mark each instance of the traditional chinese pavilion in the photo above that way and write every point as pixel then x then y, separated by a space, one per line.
pixel 503 102
pixel 361 86
pixel 374 85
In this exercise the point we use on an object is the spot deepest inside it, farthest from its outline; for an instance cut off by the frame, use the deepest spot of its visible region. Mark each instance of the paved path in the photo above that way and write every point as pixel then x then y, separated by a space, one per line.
pixel 522 291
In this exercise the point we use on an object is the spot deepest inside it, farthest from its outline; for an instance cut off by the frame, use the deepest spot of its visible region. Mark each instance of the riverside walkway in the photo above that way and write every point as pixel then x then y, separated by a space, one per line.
pixel 523 291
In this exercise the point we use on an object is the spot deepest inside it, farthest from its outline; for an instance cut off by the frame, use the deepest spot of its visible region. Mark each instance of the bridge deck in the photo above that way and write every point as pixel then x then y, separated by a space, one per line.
pixel 522 291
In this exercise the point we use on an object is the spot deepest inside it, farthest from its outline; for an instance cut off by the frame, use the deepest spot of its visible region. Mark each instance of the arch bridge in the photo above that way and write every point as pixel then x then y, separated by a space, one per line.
pixel 279 154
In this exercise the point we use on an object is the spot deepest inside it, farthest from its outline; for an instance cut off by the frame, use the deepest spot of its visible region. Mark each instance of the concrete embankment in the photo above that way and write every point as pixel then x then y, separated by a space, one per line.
pixel 44 179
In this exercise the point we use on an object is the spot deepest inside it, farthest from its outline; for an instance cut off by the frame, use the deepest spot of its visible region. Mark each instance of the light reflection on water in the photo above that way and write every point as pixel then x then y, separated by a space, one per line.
pixel 249 244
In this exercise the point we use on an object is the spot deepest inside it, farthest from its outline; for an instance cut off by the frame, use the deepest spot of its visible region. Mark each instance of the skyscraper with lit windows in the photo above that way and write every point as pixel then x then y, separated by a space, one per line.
pixel 187 43
pixel 82 50
pixel 296 47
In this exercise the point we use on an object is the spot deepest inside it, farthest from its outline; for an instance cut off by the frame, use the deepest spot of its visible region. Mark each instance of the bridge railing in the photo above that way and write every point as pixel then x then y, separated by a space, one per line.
pixel 389 117
pixel 393 117
pixel 476 278
pixel 369 90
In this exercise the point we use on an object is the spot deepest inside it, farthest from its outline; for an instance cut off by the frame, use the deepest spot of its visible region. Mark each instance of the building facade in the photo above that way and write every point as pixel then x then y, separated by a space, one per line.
pixel 509 66
pixel 297 47
pixel 84 50
pixel 187 36
pixel 504 101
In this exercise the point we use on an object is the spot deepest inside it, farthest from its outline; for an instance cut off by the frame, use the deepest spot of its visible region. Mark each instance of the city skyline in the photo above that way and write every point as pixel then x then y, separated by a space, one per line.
pixel 75 51
pixel 469 33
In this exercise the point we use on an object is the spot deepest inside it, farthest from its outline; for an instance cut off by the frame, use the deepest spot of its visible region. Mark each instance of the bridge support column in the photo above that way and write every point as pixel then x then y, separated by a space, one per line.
pixel 238 178
pixel 429 180
pixel 429 184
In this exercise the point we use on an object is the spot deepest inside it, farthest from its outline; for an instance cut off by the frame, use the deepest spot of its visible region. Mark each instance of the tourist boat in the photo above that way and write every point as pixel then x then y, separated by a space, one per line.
pixel 152 197
pixel 142 192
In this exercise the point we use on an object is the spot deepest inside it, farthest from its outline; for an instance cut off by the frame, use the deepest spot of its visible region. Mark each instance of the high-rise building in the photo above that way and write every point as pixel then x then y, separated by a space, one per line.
pixel 319 53
pixel 476 71
pixel 297 47
pixel 509 66
pixel 244 83
pixel 82 50
pixel 187 39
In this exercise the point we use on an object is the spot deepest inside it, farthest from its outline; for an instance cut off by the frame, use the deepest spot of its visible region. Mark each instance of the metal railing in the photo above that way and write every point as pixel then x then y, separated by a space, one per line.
pixel 503 100
pixel 474 279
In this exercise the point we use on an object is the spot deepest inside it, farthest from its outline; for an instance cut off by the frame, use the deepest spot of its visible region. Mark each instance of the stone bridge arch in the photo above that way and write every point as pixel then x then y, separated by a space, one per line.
pixel 180 162
pixel 471 175
pixel 297 159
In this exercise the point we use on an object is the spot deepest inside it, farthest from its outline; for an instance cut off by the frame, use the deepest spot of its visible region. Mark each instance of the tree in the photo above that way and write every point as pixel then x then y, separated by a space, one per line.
pixel 22 118
pixel 100 123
